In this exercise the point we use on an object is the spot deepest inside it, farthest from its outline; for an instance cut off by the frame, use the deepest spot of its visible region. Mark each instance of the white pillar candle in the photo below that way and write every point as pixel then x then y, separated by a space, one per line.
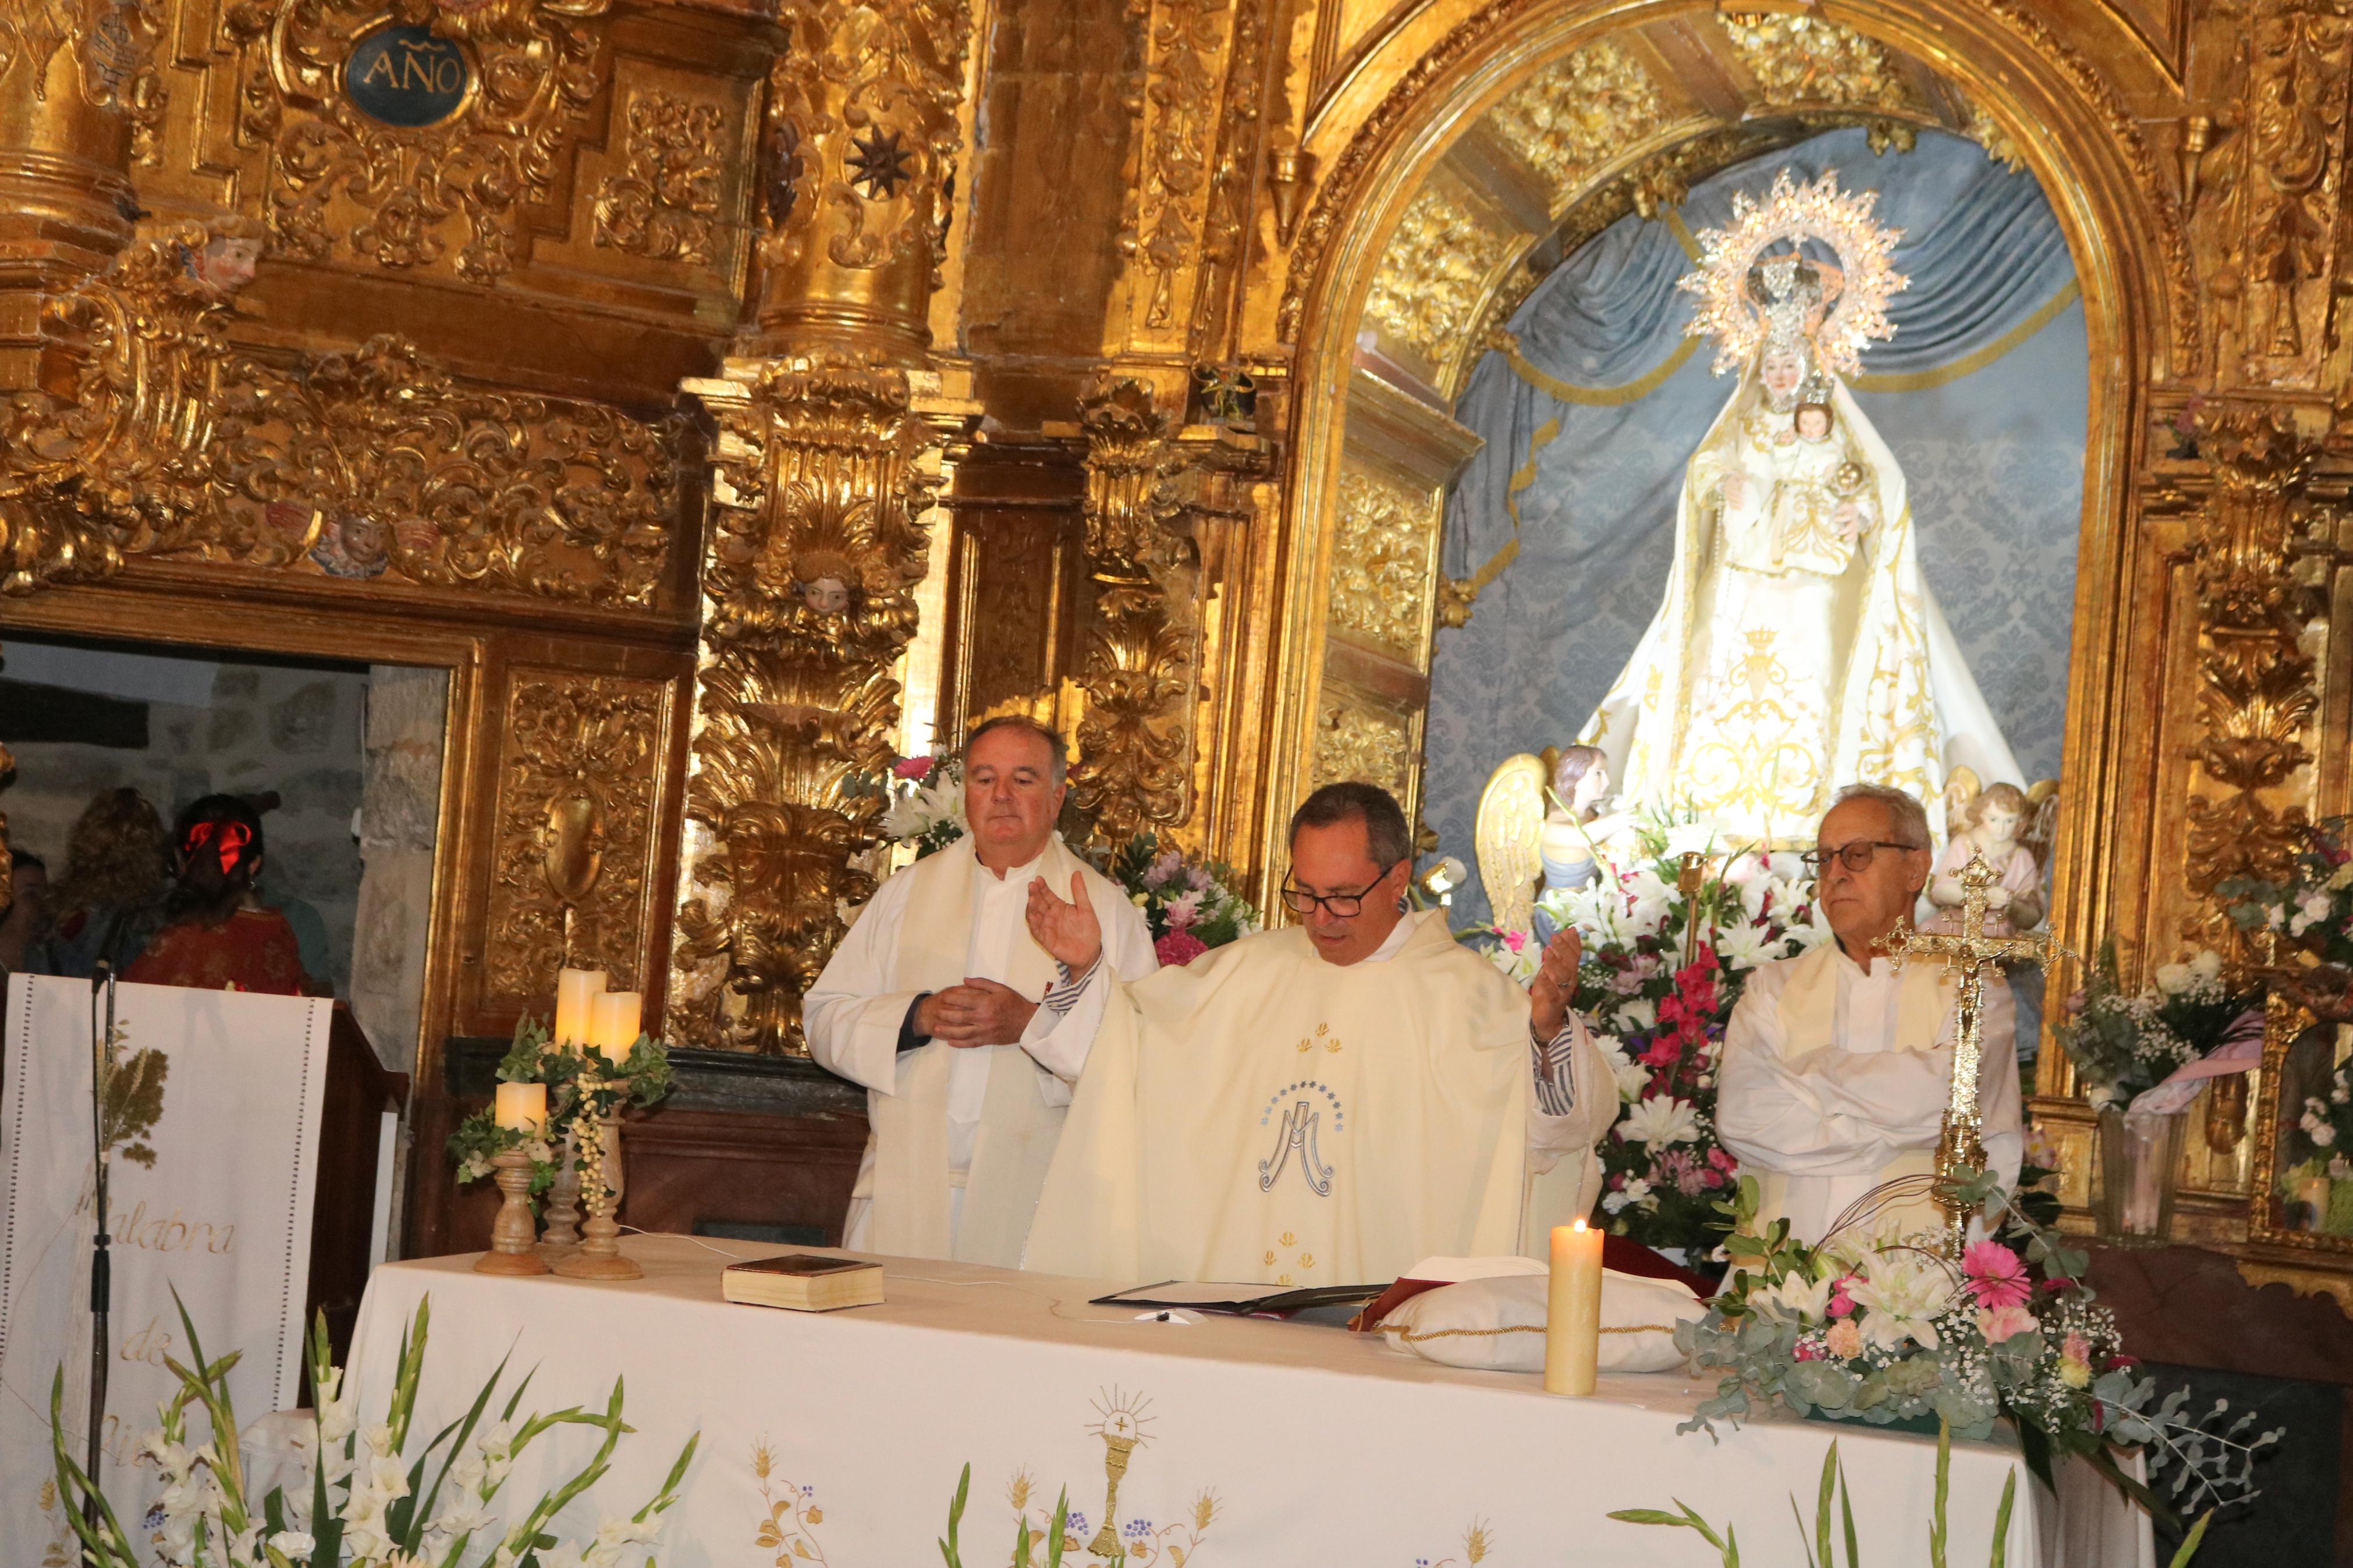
pixel 1573 1310
pixel 523 1107
pixel 613 1024
pixel 575 992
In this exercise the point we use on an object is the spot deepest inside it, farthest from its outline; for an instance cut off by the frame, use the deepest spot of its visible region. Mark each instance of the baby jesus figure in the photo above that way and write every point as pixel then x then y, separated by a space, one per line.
pixel 1821 501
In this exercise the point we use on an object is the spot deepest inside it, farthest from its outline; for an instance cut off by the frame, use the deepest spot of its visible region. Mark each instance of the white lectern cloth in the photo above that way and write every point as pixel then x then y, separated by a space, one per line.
pixel 223 1215
pixel 1318 1446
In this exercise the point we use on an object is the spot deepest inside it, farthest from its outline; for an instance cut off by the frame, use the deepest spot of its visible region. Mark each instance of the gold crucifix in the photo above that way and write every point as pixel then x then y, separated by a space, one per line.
pixel 1970 951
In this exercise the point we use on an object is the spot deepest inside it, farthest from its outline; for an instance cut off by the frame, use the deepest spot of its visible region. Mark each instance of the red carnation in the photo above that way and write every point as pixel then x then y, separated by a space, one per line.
pixel 1179 948
pixel 916 768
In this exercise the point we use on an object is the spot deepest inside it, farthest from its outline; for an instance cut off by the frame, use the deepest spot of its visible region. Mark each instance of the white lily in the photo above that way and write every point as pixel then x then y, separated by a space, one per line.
pixel 1659 1121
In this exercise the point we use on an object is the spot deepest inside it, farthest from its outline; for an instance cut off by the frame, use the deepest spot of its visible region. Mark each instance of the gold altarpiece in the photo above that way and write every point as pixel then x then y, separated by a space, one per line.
pixel 737 397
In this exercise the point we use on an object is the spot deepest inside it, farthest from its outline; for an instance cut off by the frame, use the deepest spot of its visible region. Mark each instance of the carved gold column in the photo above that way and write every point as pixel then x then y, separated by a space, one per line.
pixel 1169 512
pixel 835 434
pixel 73 85
pixel 859 171
pixel 2258 693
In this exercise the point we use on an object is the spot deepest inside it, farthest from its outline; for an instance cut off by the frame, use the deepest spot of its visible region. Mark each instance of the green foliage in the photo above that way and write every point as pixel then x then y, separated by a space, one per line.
pixel 951 1549
pixel 372 1505
pixel 643 1077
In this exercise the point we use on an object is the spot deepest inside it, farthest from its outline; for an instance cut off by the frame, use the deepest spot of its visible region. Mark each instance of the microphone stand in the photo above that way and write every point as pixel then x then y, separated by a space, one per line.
pixel 101 1274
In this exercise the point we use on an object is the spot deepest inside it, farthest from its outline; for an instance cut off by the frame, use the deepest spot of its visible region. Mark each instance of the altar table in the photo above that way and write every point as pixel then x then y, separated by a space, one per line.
pixel 836 1439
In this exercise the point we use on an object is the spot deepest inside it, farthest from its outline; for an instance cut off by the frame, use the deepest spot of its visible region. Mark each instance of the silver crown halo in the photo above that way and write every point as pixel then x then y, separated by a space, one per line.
pixel 1851 297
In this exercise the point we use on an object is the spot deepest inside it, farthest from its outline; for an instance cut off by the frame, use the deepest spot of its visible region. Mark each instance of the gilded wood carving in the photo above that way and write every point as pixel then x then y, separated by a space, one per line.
pixel 577 834
pixel 446 194
pixel 361 466
pixel 823 473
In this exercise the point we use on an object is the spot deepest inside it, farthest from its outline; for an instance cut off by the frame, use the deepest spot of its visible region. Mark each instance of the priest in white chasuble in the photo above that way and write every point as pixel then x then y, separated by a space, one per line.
pixel 1836 1067
pixel 964 1033
pixel 1325 1104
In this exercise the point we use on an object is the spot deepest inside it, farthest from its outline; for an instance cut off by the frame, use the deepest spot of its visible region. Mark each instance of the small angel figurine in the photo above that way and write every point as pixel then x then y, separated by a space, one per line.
pixel 1988 825
pixel 1580 781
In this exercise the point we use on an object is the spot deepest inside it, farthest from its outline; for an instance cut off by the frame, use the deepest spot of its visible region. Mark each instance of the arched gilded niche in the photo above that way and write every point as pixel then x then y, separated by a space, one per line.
pixel 1529 127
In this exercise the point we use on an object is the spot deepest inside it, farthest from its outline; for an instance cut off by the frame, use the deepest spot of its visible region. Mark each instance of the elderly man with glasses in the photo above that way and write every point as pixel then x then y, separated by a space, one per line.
pixel 1328 1103
pixel 1836 1067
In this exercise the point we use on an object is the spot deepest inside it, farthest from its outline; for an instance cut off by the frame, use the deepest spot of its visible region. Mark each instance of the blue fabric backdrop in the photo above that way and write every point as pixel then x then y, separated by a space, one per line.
pixel 1994 460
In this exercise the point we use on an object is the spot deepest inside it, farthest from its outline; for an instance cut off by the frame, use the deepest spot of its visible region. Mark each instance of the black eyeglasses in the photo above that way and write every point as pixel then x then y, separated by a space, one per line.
pixel 1855 856
pixel 1341 906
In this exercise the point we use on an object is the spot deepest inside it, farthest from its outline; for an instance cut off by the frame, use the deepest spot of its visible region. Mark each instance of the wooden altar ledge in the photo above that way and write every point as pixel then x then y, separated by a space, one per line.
pixel 1256 1442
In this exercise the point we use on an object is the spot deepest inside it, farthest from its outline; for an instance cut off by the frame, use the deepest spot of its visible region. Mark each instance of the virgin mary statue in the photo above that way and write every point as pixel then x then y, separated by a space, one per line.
pixel 1797 649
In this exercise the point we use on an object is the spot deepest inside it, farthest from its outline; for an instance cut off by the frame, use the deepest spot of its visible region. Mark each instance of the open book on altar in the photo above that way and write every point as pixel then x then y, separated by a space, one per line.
pixel 1249 1300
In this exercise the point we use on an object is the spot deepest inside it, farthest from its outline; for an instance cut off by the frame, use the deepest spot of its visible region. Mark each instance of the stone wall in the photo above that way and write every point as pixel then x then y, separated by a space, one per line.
pixel 269 727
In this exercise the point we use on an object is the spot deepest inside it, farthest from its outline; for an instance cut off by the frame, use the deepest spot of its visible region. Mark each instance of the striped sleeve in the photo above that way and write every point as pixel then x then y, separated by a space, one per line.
pixel 1556 1070
pixel 1064 993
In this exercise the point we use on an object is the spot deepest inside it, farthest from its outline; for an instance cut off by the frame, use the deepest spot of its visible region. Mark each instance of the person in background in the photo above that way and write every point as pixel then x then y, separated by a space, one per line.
pixel 217 935
pixel 20 922
pixel 110 900
pixel 309 926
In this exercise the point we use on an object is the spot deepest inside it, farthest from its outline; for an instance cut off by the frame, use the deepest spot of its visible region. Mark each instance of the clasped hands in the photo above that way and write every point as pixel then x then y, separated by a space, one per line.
pixel 985 1013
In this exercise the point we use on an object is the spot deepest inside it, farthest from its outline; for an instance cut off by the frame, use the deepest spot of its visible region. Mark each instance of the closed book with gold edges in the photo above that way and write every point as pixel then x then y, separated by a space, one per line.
pixel 804 1282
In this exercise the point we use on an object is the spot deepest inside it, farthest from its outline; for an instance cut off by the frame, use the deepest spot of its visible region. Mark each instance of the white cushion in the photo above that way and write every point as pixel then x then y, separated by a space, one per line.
pixel 1498 1325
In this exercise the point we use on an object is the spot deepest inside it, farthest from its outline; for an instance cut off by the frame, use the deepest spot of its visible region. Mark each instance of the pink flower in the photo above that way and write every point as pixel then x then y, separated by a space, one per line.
pixel 2002 1323
pixel 1996 1275
pixel 1513 941
pixel 1845 1339
pixel 1808 1350
pixel 2077 1348
pixel 916 768
pixel 1841 1305
pixel 1179 948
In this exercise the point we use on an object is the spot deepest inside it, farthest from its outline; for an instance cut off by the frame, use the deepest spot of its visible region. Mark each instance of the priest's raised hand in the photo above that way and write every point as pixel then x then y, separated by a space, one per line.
pixel 1067 929
pixel 1554 984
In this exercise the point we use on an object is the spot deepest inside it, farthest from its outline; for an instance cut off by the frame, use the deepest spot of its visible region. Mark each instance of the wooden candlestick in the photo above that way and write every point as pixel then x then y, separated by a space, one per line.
pixel 562 1233
pixel 599 1256
pixel 511 1235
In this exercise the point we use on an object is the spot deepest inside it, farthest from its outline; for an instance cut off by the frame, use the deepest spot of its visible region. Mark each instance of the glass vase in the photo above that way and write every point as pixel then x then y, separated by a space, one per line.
pixel 2140 1160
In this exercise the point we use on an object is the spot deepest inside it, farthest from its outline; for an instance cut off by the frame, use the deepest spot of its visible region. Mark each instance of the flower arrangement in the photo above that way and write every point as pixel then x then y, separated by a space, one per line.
pixel 926 803
pixel 2124 1044
pixel 2317 1158
pixel 1881 1327
pixel 1660 1021
pixel 1191 906
pixel 375 1499
pixel 2313 909
pixel 642 1077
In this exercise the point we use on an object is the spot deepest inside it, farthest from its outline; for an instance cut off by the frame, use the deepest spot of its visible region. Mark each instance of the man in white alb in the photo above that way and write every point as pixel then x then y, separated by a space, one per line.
pixel 964 1034
pixel 1837 1067
pixel 1326 1104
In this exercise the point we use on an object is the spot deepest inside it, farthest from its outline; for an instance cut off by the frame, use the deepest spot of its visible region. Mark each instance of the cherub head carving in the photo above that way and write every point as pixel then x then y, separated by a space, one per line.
pixel 224 263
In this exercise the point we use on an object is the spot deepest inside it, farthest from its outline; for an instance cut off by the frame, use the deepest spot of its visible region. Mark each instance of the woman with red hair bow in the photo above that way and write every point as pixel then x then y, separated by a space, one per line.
pixel 217 935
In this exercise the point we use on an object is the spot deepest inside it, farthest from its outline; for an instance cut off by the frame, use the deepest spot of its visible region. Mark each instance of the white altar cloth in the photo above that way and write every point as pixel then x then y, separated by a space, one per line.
pixel 1298 1444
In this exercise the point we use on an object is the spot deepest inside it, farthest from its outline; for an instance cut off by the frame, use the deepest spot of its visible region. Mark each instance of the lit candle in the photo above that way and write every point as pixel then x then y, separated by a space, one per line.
pixel 523 1107
pixel 613 1024
pixel 576 991
pixel 1573 1310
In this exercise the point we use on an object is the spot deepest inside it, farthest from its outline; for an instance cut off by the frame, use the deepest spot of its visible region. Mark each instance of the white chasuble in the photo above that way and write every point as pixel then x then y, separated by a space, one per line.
pixel 923 1104
pixel 1834 1079
pixel 1262 1115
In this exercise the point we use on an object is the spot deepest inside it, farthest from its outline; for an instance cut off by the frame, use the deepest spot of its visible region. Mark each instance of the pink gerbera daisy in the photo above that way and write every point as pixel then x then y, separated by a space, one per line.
pixel 1996 1275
